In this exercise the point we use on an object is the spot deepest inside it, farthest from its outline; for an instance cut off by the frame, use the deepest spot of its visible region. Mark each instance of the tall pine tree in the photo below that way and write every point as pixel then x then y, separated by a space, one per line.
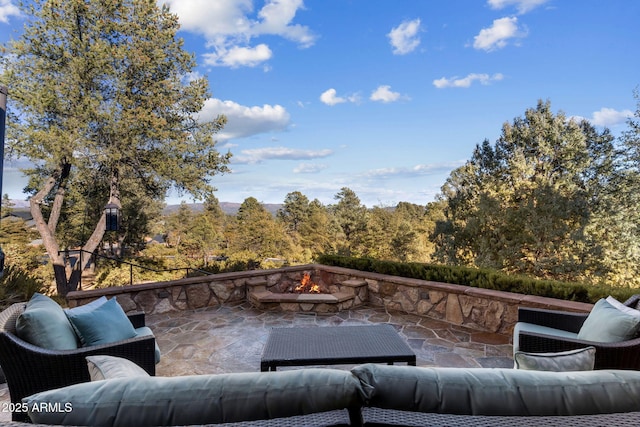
pixel 102 102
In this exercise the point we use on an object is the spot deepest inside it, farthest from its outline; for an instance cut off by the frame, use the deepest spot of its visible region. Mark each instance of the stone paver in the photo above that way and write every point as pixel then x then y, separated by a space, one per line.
pixel 230 338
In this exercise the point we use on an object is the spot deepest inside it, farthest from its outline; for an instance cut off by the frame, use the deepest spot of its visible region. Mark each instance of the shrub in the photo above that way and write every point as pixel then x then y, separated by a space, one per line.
pixel 17 285
pixel 482 278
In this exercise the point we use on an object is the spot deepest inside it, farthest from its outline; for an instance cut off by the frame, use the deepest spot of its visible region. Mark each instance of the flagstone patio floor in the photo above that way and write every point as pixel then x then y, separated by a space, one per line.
pixel 230 338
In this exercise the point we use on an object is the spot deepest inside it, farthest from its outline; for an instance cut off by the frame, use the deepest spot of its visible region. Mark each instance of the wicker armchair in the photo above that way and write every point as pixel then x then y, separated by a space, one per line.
pixel 30 369
pixel 616 355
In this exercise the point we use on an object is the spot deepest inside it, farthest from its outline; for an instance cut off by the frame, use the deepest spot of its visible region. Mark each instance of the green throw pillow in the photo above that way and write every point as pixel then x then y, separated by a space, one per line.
pixel 44 324
pixel 606 323
pixel 107 367
pixel 105 324
pixel 582 359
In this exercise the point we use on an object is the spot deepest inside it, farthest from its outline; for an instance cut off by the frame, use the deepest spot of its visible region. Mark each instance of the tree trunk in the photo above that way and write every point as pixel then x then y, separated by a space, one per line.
pixel 47 230
pixel 67 279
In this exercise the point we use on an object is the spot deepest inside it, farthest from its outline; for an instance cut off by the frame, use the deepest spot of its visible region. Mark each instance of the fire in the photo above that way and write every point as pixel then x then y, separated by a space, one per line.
pixel 306 285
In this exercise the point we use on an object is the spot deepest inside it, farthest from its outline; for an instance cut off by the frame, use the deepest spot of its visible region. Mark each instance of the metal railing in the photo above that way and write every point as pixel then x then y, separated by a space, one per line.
pixel 131 265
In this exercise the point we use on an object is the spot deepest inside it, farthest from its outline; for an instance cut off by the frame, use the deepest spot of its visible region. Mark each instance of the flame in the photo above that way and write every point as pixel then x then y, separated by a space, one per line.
pixel 306 285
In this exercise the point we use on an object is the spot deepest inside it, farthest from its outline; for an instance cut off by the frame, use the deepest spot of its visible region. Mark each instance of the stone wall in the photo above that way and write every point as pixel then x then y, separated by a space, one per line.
pixel 481 309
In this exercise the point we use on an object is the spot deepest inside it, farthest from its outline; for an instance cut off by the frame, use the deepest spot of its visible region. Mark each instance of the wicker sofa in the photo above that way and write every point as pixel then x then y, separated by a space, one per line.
pixel 29 369
pixel 369 394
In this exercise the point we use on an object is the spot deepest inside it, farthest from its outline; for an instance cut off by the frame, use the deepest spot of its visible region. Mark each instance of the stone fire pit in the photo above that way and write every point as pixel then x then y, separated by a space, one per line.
pixel 280 295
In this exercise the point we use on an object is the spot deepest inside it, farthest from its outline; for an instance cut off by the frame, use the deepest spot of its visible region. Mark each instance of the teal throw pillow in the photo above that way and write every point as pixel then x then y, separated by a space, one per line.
pixel 87 307
pixel 582 359
pixel 606 323
pixel 105 324
pixel 107 367
pixel 83 310
pixel 44 324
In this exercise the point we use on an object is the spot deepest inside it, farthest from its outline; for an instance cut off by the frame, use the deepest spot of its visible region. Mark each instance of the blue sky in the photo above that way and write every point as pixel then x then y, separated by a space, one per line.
pixel 387 97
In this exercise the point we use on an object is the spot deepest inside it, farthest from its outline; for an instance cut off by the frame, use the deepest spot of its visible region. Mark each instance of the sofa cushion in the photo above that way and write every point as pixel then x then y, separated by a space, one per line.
pixel 104 324
pixel 44 324
pixel 582 359
pixel 107 367
pixel 606 323
pixel 501 392
pixel 198 399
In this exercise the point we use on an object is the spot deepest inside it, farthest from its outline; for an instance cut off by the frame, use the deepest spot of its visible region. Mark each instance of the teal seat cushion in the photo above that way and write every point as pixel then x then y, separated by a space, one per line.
pixel 606 323
pixel 145 331
pixel 545 330
pixel 582 359
pixel 105 324
pixel 198 399
pixel 500 392
pixel 43 323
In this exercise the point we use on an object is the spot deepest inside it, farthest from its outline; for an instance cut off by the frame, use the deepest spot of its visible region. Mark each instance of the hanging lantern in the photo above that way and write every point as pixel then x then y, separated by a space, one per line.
pixel 112 216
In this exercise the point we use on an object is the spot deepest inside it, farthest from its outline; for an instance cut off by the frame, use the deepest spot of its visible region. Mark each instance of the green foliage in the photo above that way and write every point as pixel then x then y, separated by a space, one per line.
pixel 256 231
pixel 100 102
pixel 482 278
pixel 351 216
pixel 114 273
pixel 17 285
pixel 240 261
pixel 553 198
pixel 14 230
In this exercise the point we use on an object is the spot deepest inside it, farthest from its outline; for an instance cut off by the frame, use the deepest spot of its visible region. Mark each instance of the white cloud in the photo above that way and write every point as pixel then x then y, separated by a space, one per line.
pixel 384 94
pixel 276 20
pixel 404 38
pixel 230 25
pixel 309 168
pixel 7 10
pixel 610 117
pixel 498 34
pixel 243 121
pixel 257 155
pixel 330 97
pixel 414 171
pixel 239 56
pixel 523 6
pixel 465 82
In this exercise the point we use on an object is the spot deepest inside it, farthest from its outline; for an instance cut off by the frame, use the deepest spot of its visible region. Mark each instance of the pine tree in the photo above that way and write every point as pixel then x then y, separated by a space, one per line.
pixel 527 204
pixel 101 100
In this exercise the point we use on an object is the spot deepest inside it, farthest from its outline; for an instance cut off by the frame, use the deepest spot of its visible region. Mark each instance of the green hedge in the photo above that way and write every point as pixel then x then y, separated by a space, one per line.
pixel 482 278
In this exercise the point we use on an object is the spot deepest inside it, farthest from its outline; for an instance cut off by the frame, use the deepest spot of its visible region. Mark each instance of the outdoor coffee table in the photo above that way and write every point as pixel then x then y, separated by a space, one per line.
pixel 334 345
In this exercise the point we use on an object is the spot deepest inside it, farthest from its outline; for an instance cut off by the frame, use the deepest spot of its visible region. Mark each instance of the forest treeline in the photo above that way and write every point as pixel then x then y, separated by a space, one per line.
pixel 552 198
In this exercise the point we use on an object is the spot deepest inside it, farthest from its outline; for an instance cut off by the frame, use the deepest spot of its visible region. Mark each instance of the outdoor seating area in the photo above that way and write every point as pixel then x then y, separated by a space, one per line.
pixel 239 340
pixel 231 338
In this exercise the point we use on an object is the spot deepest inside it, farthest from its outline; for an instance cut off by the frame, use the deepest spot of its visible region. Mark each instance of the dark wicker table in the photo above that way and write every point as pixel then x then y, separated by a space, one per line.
pixel 334 345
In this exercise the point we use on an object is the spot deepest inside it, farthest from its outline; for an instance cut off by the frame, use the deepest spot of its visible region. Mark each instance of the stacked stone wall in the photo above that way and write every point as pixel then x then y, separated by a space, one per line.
pixel 480 309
